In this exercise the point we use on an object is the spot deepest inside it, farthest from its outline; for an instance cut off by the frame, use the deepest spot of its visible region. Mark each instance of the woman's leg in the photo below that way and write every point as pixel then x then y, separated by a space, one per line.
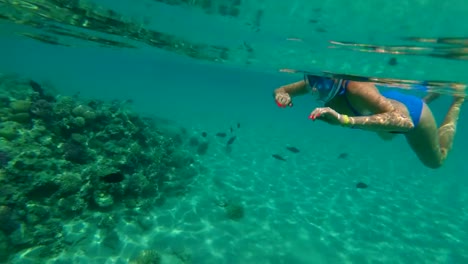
pixel 449 126
pixel 432 144
pixel 430 97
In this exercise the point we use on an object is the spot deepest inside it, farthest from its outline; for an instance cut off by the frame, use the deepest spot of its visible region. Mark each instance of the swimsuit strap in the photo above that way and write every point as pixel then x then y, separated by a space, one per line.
pixel 343 88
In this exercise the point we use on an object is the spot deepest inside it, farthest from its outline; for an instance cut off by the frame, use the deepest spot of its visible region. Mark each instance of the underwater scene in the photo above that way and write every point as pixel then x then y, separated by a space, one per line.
pixel 233 131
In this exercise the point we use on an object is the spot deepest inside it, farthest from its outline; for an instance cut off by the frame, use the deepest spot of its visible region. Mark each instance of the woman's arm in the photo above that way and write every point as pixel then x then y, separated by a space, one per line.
pixel 385 122
pixel 389 116
pixel 293 89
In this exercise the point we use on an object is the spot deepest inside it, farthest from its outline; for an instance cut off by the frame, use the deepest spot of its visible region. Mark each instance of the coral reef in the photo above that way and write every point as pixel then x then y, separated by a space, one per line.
pixel 65 157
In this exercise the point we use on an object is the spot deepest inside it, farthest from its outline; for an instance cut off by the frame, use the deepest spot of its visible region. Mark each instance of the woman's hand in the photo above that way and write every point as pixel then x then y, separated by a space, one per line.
pixel 326 114
pixel 283 99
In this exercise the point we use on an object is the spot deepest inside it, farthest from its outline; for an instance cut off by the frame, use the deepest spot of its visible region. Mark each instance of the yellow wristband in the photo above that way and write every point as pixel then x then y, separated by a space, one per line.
pixel 345 120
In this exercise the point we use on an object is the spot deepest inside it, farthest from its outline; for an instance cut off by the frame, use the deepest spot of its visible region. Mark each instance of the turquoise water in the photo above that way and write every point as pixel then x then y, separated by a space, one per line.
pixel 304 210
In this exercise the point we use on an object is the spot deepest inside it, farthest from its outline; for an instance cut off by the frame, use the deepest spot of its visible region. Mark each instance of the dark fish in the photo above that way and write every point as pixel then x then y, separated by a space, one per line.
pixel 392 62
pixel 221 134
pixel 320 30
pixel 204 134
pixel 232 130
pixel 202 148
pixel 238 125
pixel 361 185
pixel 114 177
pixel 313 21
pixel 278 157
pixel 94 104
pixel 36 87
pixel 293 149
pixel 343 155
pixel 231 140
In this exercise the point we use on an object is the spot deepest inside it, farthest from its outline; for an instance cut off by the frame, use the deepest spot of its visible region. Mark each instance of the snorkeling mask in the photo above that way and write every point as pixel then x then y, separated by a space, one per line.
pixel 324 89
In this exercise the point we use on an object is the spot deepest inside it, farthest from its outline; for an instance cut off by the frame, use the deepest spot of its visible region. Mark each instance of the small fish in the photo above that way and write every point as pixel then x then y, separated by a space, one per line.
pixel 320 30
pixel 361 185
pixel 113 177
pixel 238 125
pixel 278 157
pixel 204 134
pixel 221 134
pixel 343 155
pixel 231 140
pixel 202 148
pixel 94 104
pixel 293 149
pixel 36 87
pixel 232 130
pixel 392 62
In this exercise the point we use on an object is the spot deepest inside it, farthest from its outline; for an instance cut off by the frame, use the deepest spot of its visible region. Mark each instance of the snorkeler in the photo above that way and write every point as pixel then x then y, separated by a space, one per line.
pixel 360 105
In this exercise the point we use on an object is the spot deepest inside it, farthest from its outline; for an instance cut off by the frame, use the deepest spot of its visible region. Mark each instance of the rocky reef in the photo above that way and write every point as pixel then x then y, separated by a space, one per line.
pixel 64 157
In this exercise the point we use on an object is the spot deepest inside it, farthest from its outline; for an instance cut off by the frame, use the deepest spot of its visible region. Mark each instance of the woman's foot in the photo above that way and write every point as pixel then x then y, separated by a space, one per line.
pixel 459 92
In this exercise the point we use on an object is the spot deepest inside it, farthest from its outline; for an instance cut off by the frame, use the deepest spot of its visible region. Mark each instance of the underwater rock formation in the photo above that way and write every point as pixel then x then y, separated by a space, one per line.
pixel 147 257
pixel 233 210
pixel 66 157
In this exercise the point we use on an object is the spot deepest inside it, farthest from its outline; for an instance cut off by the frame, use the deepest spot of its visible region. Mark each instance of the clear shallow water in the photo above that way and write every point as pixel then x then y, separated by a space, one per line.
pixel 305 210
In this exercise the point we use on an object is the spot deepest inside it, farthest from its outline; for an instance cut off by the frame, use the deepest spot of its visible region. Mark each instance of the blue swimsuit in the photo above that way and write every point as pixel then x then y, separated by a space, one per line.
pixel 413 104
pixel 328 88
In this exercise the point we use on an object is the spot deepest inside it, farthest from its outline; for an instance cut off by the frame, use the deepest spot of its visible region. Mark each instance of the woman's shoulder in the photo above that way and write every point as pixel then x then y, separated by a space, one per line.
pixel 357 88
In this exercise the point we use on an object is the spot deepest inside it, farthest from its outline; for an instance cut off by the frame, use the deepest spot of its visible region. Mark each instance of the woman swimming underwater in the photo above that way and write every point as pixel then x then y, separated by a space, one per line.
pixel 360 105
